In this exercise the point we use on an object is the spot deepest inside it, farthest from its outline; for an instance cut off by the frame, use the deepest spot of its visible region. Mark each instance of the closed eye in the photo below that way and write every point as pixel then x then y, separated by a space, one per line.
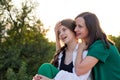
pixel 80 26
pixel 64 29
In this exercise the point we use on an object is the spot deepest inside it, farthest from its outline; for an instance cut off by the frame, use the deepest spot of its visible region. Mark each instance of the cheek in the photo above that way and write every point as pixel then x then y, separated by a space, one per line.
pixel 59 36
pixel 85 33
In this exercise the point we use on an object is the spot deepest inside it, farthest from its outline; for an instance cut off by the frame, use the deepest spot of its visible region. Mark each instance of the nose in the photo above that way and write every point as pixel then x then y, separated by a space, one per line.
pixel 76 29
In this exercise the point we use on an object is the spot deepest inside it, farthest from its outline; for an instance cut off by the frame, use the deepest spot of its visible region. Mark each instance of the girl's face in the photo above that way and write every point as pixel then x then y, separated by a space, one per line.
pixel 81 29
pixel 65 34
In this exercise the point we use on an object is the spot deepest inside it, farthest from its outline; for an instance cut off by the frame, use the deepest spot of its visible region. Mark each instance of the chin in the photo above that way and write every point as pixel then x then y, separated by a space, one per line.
pixel 78 37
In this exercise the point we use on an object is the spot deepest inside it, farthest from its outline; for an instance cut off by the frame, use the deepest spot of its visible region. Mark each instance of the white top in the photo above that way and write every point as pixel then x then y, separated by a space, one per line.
pixel 64 75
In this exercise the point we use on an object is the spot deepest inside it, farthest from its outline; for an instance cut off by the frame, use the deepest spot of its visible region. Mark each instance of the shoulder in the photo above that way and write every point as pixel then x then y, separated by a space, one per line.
pixel 97 43
pixel 98 50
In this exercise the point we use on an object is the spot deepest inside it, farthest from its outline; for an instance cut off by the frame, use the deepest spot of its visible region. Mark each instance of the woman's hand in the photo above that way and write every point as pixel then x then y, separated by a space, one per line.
pixel 82 46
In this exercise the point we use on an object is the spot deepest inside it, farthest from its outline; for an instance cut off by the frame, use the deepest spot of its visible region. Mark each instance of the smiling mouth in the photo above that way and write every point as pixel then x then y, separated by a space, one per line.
pixel 78 34
pixel 64 38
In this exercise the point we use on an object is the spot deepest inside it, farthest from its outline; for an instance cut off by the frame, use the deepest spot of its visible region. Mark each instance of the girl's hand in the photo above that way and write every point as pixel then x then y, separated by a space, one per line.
pixel 40 77
pixel 56 29
pixel 37 77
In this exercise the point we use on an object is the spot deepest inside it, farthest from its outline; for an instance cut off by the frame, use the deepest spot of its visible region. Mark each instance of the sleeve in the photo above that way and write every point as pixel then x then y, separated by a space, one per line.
pixel 98 51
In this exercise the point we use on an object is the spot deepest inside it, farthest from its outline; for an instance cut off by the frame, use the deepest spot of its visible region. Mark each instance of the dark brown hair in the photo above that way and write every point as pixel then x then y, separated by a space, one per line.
pixel 70 24
pixel 94 29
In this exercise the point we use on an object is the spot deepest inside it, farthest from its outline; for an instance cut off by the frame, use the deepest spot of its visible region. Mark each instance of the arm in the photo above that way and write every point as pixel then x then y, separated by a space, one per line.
pixel 82 66
pixel 85 65
pixel 58 45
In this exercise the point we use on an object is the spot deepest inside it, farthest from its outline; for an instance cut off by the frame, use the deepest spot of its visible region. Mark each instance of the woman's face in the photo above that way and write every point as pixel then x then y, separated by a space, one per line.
pixel 81 29
pixel 65 34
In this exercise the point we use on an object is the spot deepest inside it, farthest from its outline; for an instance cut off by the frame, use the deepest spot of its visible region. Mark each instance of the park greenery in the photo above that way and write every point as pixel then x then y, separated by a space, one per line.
pixel 23 45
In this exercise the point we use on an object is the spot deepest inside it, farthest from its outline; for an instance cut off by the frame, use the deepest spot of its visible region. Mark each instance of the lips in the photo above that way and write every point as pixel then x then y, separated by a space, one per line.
pixel 63 38
pixel 78 34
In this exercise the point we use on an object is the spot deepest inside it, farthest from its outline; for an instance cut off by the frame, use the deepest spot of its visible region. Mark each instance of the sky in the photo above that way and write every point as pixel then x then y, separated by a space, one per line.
pixel 52 11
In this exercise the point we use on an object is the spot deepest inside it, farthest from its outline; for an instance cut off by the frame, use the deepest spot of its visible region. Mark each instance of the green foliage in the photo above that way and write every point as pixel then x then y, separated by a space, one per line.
pixel 23 46
pixel 116 40
pixel 22 75
pixel 10 74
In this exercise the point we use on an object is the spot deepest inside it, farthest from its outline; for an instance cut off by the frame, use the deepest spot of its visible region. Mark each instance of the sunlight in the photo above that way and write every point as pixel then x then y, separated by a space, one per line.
pixel 52 11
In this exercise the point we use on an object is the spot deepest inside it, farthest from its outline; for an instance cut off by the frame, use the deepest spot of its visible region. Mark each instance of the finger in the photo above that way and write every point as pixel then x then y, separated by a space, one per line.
pixel 58 24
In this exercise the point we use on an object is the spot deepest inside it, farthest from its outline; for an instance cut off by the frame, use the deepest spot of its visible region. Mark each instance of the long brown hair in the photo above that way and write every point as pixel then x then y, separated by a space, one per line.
pixel 94 29
pixel 70 24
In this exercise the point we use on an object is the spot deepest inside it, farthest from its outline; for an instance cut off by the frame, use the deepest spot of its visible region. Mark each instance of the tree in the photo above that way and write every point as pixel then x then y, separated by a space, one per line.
pixel 23 46
pixel 116 40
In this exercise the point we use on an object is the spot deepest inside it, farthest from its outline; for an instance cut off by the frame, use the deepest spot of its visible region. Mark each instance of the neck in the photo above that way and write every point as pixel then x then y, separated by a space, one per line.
pixel 71 46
